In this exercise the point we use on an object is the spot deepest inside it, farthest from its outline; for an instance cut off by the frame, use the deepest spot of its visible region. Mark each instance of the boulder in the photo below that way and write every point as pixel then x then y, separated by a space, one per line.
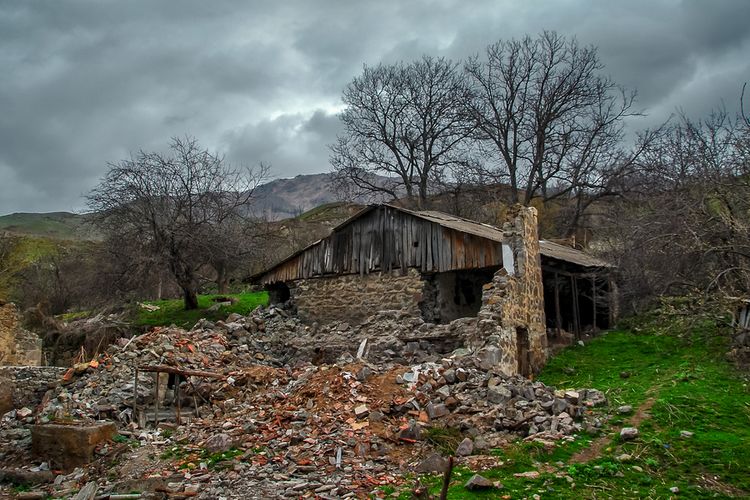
pixel 628 433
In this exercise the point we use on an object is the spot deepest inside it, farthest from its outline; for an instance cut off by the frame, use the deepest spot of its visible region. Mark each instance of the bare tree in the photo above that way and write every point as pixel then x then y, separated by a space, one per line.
pixel 174 206
pixel 547 121
pixel 687 228
pixel 404 122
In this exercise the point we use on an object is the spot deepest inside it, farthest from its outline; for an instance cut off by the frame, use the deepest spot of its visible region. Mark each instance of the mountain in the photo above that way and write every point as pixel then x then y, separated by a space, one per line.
pixel 276 200
pixel 285 198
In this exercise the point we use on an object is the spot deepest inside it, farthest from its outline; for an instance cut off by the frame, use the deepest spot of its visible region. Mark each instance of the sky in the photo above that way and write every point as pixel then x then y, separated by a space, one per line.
pixel 87 83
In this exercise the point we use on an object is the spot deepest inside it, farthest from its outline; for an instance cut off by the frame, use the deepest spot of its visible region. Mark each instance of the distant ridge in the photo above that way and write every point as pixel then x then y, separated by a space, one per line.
pixel 60 225
pixel 275 200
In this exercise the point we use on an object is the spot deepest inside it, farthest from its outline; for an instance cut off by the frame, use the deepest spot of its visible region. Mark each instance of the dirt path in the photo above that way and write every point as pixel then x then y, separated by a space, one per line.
pixel 595 449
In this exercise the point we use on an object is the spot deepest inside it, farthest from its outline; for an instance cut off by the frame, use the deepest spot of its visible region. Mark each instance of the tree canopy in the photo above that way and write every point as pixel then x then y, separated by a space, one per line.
pixel 175 207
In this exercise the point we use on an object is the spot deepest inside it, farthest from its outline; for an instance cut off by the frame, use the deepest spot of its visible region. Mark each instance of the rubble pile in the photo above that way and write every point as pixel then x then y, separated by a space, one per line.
pixel 275 420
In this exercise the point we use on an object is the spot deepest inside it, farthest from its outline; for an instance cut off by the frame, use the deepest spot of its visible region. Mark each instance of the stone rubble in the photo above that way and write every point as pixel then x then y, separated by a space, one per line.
pixel 293 412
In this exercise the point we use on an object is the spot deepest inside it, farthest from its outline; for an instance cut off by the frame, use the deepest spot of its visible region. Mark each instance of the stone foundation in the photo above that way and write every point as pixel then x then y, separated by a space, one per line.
pixel 17 345
pixel 354 298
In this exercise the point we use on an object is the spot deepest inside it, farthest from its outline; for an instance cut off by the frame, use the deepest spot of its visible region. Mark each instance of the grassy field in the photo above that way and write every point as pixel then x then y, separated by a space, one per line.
pixel 173 311
pixel 678 384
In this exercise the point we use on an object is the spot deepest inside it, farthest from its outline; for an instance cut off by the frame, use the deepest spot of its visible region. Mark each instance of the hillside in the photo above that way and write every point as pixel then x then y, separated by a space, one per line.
pixel 59 225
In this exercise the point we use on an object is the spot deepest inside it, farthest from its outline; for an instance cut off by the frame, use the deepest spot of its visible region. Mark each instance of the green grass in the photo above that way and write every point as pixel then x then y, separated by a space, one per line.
pixel 692 388
pixel 173 311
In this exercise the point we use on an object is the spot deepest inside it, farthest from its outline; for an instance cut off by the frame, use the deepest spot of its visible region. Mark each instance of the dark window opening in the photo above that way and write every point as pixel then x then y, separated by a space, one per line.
pixel 278 293
pixel 454 294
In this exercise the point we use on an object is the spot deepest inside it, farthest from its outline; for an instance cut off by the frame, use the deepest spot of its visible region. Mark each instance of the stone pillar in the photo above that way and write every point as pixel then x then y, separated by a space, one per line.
pixel 511 331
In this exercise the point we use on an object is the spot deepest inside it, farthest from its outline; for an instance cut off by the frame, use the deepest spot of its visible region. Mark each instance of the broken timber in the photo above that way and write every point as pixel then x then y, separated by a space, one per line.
pixel 156 370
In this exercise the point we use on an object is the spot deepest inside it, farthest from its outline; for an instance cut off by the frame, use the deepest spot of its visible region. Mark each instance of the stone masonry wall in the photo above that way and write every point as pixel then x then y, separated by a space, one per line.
pixel 24 386
pixel 354 298
pixel 510 303
pixel 17 345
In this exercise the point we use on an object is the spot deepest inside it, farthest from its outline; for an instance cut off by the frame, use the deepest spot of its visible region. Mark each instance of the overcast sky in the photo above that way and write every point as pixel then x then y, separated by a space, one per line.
pixel 83 83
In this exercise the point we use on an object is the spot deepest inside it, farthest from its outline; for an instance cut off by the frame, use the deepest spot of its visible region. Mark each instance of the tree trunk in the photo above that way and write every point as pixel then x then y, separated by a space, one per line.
pixel 222 280
pixel 191 298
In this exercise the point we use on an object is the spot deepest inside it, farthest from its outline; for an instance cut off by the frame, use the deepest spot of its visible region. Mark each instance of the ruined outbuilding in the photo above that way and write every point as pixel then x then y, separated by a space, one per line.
pixel 444 269
pixel 18 346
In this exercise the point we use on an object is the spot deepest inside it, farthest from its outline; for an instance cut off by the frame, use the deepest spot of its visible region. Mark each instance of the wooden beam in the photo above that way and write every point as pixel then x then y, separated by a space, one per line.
pixel 558 313
pixel 178 371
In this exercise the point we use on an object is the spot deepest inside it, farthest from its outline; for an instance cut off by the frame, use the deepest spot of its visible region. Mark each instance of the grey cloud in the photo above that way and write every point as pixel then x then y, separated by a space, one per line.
pixel 291 144
pixel 87 82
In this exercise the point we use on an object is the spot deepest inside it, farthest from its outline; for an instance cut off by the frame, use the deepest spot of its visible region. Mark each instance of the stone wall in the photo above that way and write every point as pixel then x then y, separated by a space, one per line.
pixel 513 303
pixel 24 386
pixel 17 345
pixel 353 298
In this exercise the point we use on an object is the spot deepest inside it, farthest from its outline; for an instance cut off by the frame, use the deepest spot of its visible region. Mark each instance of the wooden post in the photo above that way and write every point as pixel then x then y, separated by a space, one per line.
pixel 177 398
pixel 558 314
pixel 135 397
pixel 576 310
pixel 156 401
pixel 593 300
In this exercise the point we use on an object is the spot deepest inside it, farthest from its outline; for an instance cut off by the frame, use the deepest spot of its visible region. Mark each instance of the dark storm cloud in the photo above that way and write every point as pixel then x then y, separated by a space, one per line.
pixel 87 82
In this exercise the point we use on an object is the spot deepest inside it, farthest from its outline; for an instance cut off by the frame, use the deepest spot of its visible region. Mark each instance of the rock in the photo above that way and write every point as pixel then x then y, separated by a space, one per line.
pixel 624 458
pixel 624 374
pixel 375 416
pixel 624 409
pixel 364 373
pixel 462 375
pixel 499 394
pixel 595 397
pixel 628 433
pixel 234 317
pixel 489 357
pixel 88 492
pixel 478 482
pixel 686 434
pixel 436 410
pixel 450 376
pixel 432 464
pixel 361 411
pixel 410 432
pixel 31 495
pixel 532 474
pixel 465 448
pixel 218 443
pixel 674 489
pixel 572 396
pixel 23 413
pixel 444 391
pixel 559 406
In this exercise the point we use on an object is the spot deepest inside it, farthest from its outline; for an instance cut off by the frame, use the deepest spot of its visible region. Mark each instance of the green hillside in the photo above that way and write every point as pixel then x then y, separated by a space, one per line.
pixel 60 225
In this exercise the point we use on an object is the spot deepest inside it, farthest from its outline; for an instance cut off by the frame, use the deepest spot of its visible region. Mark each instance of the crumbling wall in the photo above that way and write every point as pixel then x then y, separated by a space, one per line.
pixel 17 345
pixel 24 386
pixel 353 298
pixel 511 321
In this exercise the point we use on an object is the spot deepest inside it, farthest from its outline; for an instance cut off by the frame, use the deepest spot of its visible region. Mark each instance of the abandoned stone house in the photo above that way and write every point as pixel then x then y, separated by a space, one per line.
pixel 444 268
